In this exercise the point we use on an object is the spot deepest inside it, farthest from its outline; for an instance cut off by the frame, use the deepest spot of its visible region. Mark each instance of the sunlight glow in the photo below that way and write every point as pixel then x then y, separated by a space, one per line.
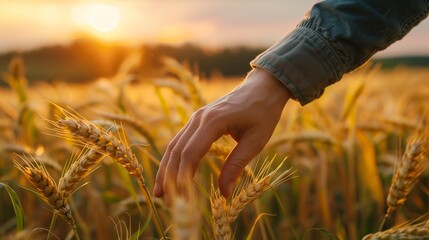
pixel 100 17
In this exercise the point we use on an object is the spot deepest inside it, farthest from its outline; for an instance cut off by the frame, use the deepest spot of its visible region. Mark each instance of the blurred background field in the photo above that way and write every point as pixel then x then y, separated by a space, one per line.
pixel 344 146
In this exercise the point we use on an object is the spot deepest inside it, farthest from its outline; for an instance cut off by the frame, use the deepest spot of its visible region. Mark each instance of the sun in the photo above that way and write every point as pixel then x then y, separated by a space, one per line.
pixel 101 17
pixel 104 18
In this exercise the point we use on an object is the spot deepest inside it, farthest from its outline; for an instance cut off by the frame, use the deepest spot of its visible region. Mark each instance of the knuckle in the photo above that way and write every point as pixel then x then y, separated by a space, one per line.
pixel 175 154
pixel 212 116
pixel 237 165
pixel 170 147
pixel 198 114
pixel 187 153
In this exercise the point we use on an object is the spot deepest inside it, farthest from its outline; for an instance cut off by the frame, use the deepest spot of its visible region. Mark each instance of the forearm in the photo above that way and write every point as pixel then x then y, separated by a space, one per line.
pixel 336 37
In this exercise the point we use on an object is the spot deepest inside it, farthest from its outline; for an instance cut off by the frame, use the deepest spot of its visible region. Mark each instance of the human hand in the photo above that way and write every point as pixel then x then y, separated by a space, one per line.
pixel 249 114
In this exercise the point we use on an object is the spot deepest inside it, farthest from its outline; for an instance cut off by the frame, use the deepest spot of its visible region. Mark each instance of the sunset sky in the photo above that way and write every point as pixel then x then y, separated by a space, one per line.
pixel 27 24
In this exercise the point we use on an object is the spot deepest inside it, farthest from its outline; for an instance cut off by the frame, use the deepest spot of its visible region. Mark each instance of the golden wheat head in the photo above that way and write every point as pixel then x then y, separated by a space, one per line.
pixel 38 176
pixel 402 231
pixel 88 134
pixel 78 170
pixel 251 188
pixel 220 221
pixel 409 168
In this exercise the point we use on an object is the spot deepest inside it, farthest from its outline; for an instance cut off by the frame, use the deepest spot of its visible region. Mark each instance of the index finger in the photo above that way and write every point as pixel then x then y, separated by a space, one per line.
pixel 197 146
pixel 158 190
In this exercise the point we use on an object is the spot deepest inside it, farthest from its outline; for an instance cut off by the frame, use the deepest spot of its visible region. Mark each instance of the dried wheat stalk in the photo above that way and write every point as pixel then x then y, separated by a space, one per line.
pixel 138 125
pixel 405 231
pixel 78 170
pixel 220 150
pixel 185 219
pixel 220 222
pixel 410 167
pixel 39 177
pixel 250 189
pixel 253 191
pixel 89 134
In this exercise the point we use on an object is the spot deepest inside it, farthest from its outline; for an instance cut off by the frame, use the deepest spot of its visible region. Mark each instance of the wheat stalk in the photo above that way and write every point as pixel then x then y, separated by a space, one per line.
pixel 250 189
pixel 220 150
pixel 220 222
pixel 410 167
pixel 253 191
pixel 90 135
pixel 39 177
pixel 185 219
pixel 139 126
pixel 175 86
pixel 401 122
pixel 190 80
pixel 304 136
pixel 405 231
pixel 78 170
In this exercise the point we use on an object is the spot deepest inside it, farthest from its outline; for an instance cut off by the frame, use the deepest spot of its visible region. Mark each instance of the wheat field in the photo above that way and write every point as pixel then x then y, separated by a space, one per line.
pixel 78 161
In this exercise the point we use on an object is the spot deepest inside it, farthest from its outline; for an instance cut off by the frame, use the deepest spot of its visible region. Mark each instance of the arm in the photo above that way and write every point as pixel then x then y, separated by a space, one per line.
pixel 336 37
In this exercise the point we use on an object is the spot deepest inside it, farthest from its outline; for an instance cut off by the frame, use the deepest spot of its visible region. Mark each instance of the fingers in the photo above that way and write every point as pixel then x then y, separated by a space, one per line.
pixel 172 168
pixel 246 149
pixel 185 151
pixel 158 190
pixel 198 145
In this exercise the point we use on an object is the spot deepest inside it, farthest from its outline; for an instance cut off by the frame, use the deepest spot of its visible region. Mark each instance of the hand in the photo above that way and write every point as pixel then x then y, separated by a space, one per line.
pixel 249 114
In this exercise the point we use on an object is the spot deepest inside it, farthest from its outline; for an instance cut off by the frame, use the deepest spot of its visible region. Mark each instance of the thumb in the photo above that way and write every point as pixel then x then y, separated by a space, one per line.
pixel 246 149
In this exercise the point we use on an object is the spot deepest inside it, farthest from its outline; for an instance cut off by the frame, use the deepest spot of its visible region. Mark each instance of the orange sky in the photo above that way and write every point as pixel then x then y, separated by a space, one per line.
pixel 26 24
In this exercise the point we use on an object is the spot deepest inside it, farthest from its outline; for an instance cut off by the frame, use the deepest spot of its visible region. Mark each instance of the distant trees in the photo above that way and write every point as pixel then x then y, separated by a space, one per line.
pixel 226 61
pixel 87 59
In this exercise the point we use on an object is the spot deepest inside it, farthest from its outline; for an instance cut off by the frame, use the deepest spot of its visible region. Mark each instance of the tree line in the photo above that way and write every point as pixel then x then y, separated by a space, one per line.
pixel 87 59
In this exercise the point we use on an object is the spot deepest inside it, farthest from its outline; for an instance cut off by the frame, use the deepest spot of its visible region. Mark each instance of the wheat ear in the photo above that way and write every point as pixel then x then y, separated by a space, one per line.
pixel 416 231
pixel 39 177
pixel 78 170
pixel 250 189
pixel 138 125
pixel 410 167
pixel 220 222
pixel 88 134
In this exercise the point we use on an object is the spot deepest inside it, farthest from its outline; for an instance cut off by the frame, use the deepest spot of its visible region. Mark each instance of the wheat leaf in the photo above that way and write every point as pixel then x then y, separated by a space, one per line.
pixel 19 213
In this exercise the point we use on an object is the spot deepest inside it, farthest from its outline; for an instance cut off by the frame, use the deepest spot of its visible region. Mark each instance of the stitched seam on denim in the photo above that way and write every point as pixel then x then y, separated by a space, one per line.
pixel 405 26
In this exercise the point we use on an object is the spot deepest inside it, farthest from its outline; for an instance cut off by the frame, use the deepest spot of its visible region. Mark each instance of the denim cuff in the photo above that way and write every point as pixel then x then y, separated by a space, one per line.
pixel 304 62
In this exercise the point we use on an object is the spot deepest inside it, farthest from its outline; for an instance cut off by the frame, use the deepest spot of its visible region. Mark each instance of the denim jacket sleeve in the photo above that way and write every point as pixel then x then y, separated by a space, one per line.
pixel 336 37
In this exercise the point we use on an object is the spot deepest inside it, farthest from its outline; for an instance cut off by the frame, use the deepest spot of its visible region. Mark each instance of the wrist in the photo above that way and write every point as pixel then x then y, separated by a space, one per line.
pixel 270 85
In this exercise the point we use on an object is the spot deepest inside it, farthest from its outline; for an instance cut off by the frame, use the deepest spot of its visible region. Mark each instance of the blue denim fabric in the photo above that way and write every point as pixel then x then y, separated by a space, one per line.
pixel 336 37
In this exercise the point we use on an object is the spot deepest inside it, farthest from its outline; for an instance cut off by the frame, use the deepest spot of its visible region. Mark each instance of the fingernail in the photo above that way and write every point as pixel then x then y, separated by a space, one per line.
pixel 156 189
